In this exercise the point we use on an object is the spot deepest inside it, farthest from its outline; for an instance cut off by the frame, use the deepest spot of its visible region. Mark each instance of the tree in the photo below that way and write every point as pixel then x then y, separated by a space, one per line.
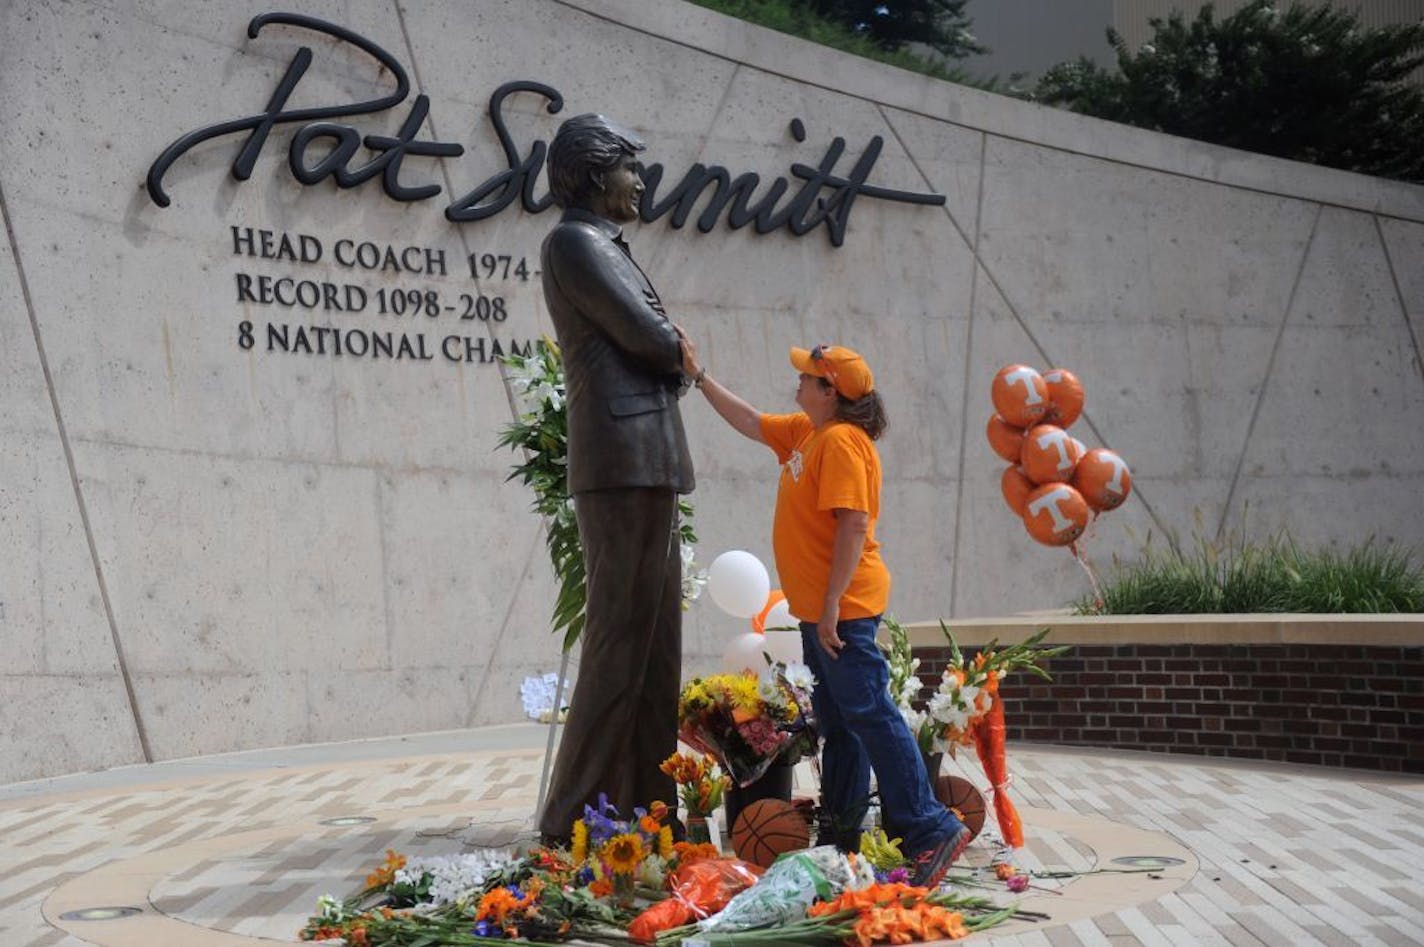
pixel 1308 83
pixel 892 24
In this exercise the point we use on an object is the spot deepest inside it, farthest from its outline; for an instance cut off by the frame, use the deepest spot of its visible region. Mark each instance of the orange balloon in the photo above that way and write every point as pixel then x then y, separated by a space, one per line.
pixel 1065 397
pixel 759 620
pixel 1103 478
pixel 1005 438
pixel 1055 514
pixel 1020 395
pixel 1049 454
pixel 1016 487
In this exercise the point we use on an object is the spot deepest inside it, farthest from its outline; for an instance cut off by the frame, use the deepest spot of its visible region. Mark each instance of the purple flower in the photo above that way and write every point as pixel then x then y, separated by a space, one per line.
pixel 487 929
pixel 1017 883
pixel 899 875
pixel 600 821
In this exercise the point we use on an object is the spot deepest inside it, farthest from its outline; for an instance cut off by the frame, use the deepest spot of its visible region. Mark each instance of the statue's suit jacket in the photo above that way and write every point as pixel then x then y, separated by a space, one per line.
pixel 622 363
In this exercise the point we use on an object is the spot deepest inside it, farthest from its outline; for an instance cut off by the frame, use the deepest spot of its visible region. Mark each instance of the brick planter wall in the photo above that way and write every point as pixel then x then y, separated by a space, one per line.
pixel 1330 704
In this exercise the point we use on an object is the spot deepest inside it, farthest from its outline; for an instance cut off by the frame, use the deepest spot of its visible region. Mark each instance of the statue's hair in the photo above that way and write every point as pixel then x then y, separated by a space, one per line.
pixel 583 146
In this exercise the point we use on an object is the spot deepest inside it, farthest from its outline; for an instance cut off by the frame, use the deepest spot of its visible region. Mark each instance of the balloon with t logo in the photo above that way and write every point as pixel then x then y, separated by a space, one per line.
pixel 1004 438
pixel 1049 454
pixel 1020 395
pixel 1103 478
pixel 1065 397
pixel 1055 514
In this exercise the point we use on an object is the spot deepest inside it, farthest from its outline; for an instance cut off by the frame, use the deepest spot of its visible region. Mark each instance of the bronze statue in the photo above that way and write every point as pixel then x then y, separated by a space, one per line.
pixel 628 461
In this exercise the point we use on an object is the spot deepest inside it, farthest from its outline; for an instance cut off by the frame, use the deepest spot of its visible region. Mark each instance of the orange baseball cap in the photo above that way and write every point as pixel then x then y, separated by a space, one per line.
pixel 842 367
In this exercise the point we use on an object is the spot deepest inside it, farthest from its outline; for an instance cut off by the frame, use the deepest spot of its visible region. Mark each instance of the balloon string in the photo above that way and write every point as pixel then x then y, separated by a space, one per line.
pixel 1098 602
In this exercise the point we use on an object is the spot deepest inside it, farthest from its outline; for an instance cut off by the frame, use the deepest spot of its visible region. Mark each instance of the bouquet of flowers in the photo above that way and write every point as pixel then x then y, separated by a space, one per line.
pixel 700 782
pixel 748 723
pixel 967 690
pixel 965 707
pixel 614 854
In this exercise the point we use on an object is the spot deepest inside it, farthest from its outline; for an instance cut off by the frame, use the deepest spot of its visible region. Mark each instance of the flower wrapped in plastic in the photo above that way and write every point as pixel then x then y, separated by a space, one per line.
pixel 966 691
pixel 966 709
pixel 747 722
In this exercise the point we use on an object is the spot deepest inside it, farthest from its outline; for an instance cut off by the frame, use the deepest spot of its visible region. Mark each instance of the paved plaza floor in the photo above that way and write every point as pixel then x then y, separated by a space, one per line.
pixel 232 851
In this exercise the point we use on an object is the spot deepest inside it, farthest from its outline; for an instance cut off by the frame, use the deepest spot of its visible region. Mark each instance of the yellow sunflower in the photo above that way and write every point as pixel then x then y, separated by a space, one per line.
pixel 579 849
pixel 622 853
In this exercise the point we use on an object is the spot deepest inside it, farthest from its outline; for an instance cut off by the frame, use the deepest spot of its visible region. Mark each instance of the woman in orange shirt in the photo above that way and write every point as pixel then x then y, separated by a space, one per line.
pixel 837 586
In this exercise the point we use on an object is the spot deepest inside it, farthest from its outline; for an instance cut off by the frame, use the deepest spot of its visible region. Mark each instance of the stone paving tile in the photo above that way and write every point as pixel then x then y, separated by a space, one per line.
pixel 1287 855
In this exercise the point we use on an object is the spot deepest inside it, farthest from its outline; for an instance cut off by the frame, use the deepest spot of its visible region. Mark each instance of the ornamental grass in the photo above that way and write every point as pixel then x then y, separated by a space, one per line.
pixel 1274 575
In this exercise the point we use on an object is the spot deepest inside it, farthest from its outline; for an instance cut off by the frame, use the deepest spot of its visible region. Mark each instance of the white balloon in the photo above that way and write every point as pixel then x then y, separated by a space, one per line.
pixel 780 617
pixel 738 583
pixel 784 646
pixel 744 653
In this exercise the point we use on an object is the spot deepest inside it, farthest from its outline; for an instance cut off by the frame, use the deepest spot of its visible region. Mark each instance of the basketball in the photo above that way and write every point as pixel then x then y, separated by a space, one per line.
pixel 959 794
pixel 767 829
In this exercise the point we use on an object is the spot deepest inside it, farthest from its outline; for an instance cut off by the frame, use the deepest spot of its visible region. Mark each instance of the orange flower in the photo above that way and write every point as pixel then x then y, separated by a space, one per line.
pixel 386 873
pixel 601 887
pixel 895 913
pixel 500 903
pixel 688 852
pixel 900 924
pixel 871 896
pixel 1004 871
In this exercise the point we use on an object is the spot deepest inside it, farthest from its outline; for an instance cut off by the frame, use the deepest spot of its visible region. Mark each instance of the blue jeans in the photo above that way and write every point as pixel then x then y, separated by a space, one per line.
pixel 863 730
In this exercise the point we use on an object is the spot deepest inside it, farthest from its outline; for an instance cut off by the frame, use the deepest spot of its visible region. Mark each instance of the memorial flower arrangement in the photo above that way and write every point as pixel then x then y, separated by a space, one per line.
pixel 548 896
pixel 542 433
pixel 966 691
pixel 965 707
pixel 748 722
pixel 613 854
pixel 700 782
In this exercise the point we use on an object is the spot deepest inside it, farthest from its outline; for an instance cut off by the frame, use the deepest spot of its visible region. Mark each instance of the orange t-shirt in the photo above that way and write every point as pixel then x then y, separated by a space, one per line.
pixel 835 467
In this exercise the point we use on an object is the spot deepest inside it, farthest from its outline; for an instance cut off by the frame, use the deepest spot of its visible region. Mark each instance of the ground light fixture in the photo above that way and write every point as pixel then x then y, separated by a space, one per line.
pixel 1148 861
pixel 100 914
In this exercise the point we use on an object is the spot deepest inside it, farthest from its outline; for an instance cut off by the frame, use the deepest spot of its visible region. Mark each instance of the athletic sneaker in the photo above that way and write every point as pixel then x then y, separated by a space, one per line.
pixel 931 865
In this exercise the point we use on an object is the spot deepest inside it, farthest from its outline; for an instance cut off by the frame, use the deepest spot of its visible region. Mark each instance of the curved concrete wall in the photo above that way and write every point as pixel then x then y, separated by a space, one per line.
pixel 210 547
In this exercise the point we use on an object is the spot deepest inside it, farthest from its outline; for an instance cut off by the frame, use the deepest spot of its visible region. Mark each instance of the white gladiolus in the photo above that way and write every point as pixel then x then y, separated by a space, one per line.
pixel 941 707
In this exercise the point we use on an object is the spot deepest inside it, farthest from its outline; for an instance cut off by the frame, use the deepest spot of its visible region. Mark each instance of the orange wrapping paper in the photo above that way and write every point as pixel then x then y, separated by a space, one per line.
pixel 699 889
pixel 988 734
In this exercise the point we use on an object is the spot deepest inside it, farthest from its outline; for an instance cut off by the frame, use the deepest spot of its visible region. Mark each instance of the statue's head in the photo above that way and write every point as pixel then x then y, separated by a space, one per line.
pixel 585 149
